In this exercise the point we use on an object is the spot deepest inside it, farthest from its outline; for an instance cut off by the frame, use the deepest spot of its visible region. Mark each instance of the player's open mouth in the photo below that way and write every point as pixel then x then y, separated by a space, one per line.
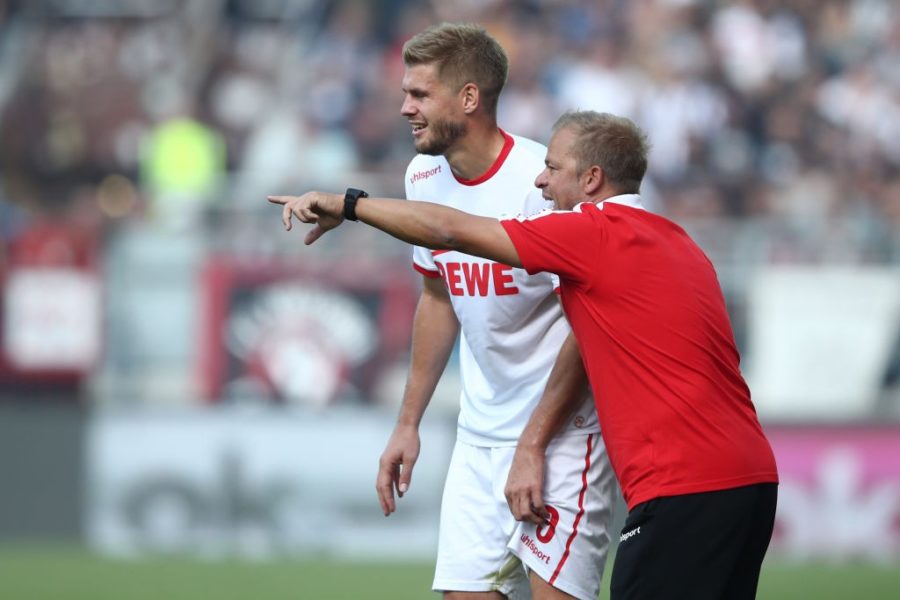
pixel 417 129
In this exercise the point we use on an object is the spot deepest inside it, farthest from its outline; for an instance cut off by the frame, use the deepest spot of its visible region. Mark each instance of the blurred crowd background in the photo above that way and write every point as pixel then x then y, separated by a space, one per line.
pixel 775 129
pixel 142 271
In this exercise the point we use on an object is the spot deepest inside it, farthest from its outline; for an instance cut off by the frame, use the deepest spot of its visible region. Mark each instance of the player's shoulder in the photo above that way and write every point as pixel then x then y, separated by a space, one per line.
pixel 426 174
pixel 529 148
pixel 423 162
pixel 535 203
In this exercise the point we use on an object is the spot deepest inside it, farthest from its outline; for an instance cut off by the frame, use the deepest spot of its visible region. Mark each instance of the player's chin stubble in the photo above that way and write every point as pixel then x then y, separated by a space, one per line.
pixel 442 135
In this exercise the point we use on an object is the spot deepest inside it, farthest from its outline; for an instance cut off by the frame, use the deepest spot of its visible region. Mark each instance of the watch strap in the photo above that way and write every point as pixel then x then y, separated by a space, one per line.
pixel 350 198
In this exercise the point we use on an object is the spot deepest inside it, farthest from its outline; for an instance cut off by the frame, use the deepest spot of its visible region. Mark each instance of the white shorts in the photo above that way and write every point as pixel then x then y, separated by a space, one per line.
pixel 482 548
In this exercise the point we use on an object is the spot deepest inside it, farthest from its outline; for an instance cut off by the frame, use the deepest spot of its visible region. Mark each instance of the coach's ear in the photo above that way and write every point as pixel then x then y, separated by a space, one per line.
pixel 592 180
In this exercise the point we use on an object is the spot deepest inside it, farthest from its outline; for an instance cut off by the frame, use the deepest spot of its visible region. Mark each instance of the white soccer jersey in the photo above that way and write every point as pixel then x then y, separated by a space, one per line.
pixel 512 324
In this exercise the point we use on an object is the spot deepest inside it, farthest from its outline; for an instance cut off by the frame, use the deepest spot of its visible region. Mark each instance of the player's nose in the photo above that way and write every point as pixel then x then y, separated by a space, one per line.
pixel 407 109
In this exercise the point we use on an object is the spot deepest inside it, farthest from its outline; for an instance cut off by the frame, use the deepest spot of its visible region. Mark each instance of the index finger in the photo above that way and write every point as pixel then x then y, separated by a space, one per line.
pixel 285 212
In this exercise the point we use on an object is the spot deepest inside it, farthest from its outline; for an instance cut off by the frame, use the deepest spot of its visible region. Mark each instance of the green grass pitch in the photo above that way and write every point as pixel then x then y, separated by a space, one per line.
pixel 68 573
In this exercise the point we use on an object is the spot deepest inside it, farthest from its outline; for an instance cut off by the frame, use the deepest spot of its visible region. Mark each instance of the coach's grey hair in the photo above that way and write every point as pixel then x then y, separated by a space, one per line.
pixel 615 144
pixel 464 53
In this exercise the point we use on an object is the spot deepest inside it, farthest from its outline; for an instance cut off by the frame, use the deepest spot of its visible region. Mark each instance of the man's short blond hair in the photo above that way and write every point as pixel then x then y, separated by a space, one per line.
pixel 463 53
pixel 615 144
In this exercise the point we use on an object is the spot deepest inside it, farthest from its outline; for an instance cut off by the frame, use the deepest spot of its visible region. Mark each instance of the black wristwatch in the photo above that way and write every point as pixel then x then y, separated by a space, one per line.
pixel 350 198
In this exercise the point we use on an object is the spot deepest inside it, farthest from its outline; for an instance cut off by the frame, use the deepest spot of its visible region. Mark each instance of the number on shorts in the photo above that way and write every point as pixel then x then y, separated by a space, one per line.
pixel 546 533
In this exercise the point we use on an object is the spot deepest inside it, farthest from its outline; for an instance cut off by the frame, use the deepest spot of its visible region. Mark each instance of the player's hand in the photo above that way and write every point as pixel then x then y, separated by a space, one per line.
pixel 326 211
pixel 525 484
pixel 396 465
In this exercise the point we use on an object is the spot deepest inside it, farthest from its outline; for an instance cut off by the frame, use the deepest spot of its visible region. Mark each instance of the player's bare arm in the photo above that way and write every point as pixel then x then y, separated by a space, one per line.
pixel 563 395
pixel 420 223
pixel 435 328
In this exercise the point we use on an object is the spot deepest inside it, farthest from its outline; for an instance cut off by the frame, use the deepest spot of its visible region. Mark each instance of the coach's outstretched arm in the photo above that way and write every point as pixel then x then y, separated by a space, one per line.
pixel 420 223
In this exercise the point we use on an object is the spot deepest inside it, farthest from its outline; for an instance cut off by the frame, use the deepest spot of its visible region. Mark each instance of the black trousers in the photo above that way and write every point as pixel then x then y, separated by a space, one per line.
pixel 696 546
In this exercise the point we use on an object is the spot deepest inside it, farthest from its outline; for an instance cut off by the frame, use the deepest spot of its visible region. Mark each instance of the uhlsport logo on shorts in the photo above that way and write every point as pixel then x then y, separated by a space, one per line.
pixel 540 554
pixel 630 534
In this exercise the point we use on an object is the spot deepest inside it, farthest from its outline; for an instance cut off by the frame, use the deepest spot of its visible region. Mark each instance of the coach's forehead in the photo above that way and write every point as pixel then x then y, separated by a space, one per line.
pixel 561 142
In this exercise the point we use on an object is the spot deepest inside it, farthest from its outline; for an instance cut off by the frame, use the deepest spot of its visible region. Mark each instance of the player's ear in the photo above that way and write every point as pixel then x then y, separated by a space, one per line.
pixel 592 180
pixel 471 97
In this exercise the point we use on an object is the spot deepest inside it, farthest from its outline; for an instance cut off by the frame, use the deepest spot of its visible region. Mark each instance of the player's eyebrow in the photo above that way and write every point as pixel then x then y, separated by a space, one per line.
pixel 415 91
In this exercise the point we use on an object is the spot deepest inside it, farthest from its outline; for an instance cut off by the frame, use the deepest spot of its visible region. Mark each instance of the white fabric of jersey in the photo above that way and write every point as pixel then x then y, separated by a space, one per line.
pixel 512 324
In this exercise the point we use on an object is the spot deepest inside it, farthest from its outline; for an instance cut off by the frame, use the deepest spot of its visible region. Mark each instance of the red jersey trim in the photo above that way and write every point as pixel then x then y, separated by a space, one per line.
pixel 426 272
pixel 501 158
pixel 436 252
pixel 584 483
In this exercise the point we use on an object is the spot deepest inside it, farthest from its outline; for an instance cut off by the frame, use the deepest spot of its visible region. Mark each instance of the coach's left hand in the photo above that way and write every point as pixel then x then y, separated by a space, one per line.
pixel 525 484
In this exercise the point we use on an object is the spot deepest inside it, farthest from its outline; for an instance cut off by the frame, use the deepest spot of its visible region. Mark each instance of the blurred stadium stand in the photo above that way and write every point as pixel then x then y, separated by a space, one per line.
pixel 143 274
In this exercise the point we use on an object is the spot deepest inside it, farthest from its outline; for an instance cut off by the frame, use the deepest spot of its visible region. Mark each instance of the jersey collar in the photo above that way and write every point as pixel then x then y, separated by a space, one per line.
pixel 632 200
pixel 508 143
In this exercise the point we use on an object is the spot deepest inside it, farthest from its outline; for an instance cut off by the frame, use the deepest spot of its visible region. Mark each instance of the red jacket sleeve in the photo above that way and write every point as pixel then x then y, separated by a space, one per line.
pixel 560 242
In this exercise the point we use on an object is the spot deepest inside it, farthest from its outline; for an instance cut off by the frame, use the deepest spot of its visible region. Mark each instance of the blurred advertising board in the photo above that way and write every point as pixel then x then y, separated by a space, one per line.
pixel 52 319
pixel 839 497
pixel 285 482
pixel 304 335
pixel 257 484
pixel 822 340
pixel 51 305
